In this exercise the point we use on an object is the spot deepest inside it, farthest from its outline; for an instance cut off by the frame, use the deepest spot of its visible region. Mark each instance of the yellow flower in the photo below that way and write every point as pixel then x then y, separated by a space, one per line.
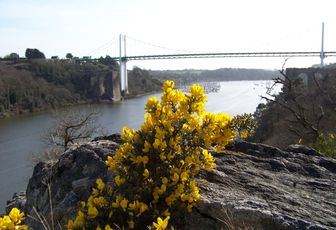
pixel 107 227
pixel 157 143
pixel 151 104
pixel 209 160
pixel 118 180
pixel 92 212
pixel 98 228
pixel 16 216
pixel 146 173
pixel 100 184
pixel 184 176
pixel 162 189
pixel 175 177
pixel 143 207
pixel 168 85
pixel 140 159
pixel 6 223
pixel 100 201
pixel 164 180
pixel 132 206
pixel 95 192
pixel 161 224
pixel 127 134
pixel 123 204
pixel 147 147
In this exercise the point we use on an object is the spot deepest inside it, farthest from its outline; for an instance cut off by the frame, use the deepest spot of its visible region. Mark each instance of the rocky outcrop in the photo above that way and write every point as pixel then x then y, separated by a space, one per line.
pixel 63 184
pixel 264 187
pixel 253 186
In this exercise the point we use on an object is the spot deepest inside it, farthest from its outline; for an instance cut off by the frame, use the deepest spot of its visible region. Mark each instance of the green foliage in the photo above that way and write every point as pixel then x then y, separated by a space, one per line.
pixel 69 56
pixel 243 125
pixel 34 54
pixel 142 82
pixel 326 144
pixel 302 110
pixel 12 56
pixel 154 170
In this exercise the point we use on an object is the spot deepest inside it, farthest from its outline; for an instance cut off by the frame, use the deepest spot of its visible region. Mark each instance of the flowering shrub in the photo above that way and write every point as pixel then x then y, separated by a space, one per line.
pixel 13 220
pixel 243 125
pixel 154 168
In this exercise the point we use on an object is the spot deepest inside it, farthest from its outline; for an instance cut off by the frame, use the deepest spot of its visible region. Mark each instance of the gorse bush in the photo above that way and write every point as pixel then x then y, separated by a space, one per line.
pixel 155 167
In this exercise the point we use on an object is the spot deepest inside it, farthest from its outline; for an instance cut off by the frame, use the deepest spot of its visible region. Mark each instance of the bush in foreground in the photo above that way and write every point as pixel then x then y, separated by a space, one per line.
pixel 154 169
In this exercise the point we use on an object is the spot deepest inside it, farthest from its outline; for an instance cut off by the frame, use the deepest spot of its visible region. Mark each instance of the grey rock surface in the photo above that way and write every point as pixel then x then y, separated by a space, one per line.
pixel 253 186
pixel 262 187
pixel 67 182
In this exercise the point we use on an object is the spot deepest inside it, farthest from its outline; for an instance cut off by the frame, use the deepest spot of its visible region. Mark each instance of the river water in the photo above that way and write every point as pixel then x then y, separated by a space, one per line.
pixel 20 137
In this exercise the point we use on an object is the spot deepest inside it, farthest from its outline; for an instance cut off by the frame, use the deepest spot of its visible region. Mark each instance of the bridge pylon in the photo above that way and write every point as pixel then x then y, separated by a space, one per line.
pixel 123 64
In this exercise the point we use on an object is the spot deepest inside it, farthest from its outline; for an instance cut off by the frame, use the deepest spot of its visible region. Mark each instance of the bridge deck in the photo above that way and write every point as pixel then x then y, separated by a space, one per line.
pixel 227 55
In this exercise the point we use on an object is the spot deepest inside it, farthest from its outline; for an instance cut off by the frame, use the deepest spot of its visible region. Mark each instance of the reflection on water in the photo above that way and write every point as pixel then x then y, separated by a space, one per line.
pixel 20 137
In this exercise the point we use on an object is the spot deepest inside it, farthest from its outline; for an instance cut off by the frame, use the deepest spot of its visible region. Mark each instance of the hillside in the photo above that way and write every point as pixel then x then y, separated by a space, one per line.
pixel 29 86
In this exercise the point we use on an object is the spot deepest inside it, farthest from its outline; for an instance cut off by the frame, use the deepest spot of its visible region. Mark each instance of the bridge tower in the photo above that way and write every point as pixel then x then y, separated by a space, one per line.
pixel 322 46
pixel 122 64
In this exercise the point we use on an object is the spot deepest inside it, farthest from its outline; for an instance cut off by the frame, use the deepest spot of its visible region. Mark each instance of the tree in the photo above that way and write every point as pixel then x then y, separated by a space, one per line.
pixel 69 56
pixel 12 56
pixel 71 127
pixel 301 111
pixel 34 54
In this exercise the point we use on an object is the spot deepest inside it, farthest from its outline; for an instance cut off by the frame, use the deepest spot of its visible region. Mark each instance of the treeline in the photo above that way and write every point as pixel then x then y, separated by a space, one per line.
pixel 182 77
pixel 39 84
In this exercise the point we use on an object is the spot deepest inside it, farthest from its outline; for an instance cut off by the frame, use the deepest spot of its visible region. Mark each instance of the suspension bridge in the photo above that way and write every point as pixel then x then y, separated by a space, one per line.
pixel 123 58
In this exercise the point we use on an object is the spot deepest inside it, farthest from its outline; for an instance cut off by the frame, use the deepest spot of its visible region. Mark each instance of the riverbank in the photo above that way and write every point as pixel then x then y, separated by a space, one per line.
pixel 39 85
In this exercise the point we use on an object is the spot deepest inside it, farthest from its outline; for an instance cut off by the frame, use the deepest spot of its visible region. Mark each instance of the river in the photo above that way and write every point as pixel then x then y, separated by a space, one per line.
pixel 20 137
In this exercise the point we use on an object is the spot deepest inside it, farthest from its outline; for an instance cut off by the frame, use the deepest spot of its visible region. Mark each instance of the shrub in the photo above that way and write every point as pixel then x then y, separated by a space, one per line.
pixel 243 125
pixel 326 145
pixel 155 168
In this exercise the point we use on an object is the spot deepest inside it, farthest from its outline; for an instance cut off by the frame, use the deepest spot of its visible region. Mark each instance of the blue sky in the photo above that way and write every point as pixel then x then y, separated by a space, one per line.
pixel 83 27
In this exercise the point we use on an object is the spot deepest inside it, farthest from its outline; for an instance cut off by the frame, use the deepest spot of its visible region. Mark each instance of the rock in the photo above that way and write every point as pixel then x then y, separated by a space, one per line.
pixel 18 201
pixel 257 188
pixel 253 186
pixel 66 182
pixel 302 149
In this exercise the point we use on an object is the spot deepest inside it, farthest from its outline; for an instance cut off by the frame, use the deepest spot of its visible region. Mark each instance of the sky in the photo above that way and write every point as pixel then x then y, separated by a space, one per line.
pixel 92 28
